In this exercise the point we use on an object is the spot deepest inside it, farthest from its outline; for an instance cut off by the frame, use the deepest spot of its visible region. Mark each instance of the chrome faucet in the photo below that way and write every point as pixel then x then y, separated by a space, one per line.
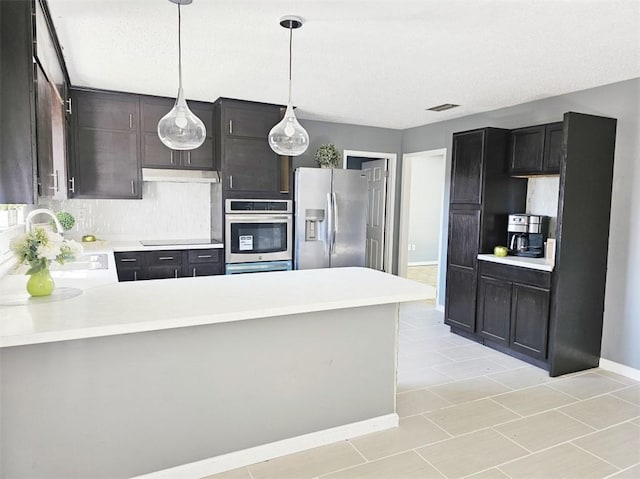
pixel 38 211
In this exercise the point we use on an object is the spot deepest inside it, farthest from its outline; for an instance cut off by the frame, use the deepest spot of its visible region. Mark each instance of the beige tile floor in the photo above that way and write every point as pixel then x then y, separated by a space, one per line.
pixel 467 411
pixel 428 275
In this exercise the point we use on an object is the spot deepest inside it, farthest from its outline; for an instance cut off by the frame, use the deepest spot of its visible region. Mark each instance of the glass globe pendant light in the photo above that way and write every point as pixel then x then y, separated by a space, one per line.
pixel 288 137
pixel 180 129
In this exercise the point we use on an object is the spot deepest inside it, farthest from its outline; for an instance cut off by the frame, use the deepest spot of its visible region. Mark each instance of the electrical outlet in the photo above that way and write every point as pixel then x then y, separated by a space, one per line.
pixel 413 247
pixel 81 214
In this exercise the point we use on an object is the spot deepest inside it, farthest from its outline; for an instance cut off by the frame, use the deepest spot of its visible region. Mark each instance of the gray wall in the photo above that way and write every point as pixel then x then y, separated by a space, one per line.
pixel 621 334
pixel 348 137
pixel 425 208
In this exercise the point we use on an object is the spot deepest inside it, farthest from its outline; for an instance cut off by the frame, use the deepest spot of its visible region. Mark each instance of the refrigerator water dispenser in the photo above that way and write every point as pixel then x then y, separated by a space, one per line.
pixel 312 220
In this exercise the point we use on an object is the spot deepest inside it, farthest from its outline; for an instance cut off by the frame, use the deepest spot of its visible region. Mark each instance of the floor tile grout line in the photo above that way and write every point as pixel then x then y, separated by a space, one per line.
pixel 529 451
pixel 428 462
pixel 613 474
pixel 507 408
pixel 358 451
pixel 595 455
pixel 599 370
pixel 622 399
pixel 441 428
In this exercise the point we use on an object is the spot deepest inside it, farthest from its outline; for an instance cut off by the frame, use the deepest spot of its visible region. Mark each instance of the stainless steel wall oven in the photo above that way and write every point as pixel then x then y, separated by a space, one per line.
pixel 258 230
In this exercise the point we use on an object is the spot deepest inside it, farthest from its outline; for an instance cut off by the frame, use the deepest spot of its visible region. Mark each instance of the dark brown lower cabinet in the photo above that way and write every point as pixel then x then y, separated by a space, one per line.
pixel 513 308
pixel 163 264
pixel 461 298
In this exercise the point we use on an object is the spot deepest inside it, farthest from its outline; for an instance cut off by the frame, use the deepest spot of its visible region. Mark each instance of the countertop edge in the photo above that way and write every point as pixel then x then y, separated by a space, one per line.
pixel 166 324
pixel 521 262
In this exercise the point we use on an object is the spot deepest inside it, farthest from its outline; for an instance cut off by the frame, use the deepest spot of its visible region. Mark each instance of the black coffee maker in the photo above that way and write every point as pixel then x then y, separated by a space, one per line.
pixel 526 235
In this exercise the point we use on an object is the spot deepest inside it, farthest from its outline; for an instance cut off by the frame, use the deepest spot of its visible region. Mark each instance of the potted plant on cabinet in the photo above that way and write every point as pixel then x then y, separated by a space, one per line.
pixel 327 156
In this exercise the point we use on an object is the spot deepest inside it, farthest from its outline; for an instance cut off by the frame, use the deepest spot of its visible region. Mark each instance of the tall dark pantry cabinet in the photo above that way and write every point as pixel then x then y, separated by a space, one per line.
pixel 550 319
pixel 482 195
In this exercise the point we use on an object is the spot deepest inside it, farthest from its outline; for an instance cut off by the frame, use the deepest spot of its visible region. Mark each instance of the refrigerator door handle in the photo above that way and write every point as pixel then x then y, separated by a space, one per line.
pixel 335 222
pixel 329 228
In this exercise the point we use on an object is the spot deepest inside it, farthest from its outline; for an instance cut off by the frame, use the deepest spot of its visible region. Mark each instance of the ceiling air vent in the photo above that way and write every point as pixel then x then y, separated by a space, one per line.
pixel 443 107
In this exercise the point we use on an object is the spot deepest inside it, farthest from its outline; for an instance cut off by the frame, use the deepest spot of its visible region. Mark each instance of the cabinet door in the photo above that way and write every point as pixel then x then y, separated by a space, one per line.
pixel 464 233
pixel 205 269
pixel 156 155
pixel 494 309
pixel 46 183
pixel 527 149
pixel 163 272
pixel 250 165
pixel 106 111
pixel 553 149
pixel 129 266
pixel 460 301
pixel 106 164
pixel 199 159
pixel 249 120
pixel 529 320
pixel 467 166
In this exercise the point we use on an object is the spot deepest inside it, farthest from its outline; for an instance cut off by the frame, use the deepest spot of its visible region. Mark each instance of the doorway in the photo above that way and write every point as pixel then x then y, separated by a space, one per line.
pixel 421 218
pixel 380 169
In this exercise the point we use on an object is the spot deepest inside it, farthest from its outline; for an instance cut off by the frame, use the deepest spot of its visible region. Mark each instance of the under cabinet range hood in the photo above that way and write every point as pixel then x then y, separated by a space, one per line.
pixel 180 176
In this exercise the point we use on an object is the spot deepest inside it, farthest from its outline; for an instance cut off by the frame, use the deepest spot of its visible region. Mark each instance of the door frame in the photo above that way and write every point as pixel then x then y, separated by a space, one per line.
pixel 390 200
pixel 405 200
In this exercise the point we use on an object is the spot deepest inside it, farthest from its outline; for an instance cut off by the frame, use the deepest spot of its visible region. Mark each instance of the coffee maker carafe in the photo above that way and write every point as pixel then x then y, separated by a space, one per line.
pixel 527 234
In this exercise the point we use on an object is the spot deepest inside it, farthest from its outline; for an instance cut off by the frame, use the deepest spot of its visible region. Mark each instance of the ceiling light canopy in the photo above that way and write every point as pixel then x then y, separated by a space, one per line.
pixel 180 129
pixel 288 137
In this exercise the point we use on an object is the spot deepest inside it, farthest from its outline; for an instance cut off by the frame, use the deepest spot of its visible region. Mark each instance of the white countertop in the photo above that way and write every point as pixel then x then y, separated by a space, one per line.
pixel 131 307
pixel 521 261
pixel 122 246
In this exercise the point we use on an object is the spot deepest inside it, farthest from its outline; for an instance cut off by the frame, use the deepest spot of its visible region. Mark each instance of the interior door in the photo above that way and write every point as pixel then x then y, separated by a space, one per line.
pixel 349 218
pixel 376 173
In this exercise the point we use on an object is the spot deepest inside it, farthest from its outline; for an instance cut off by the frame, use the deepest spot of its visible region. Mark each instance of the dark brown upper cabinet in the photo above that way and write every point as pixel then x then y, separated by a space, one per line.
pixel 33 85
pixel 156 155
pixel 536 150
pixel 106 144
pixel 248 166
pixel 466 172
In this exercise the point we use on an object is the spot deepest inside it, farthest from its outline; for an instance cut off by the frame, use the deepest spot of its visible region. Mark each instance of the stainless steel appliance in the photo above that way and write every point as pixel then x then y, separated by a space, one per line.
pixel 526 234
pixel 331 210
pixel 258 231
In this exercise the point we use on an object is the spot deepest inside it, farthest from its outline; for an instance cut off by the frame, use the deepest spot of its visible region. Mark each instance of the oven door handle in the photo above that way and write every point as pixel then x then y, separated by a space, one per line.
pixel 258 218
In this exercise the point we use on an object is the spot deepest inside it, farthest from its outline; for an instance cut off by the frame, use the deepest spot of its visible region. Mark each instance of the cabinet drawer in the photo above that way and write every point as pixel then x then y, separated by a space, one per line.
pixel 129 259
pixel 205 255
pixel 541 279
pixel 162 258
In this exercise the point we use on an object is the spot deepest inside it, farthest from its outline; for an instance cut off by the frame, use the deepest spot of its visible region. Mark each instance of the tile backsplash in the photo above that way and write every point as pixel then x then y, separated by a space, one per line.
pixel 542 199
pixel 166 211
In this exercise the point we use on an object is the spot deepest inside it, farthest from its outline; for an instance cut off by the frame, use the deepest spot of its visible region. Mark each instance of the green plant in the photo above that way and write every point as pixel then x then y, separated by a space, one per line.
pixel 66 220
pixel 327 155
pixel 39 248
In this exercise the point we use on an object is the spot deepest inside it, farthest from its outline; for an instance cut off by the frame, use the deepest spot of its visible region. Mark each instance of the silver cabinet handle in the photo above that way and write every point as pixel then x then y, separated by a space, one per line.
pixel 135 276
pixel 55 182
pixel 68 109
pixel 72 188
pixel 165 258
pixel 231 182
pixel 128 260
pixel 231 127
pixel 204 256
pixel 175 273
pixel 130 121
pixel 188 157
pixel 171 156
pixel 194 272
pixel 133 187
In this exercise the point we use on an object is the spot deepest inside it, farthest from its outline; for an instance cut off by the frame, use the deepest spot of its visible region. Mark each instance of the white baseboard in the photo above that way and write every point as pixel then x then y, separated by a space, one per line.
pixel 421 263
pixel 621 369
pixel 245 457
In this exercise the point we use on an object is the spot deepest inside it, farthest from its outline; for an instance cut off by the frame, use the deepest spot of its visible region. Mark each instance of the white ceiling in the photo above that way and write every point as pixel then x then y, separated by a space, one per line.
pixel 378 63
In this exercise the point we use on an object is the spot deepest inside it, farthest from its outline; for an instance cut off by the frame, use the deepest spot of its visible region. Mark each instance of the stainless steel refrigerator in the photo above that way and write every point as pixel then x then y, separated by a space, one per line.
pixel 330 218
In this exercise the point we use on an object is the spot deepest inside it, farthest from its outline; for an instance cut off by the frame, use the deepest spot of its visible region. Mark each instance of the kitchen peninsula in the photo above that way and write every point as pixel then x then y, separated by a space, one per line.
pixel 212 372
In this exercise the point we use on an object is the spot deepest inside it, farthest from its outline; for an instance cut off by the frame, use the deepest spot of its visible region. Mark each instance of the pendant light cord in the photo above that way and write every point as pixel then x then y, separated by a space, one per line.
pixel 290 50
pixel 179 50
